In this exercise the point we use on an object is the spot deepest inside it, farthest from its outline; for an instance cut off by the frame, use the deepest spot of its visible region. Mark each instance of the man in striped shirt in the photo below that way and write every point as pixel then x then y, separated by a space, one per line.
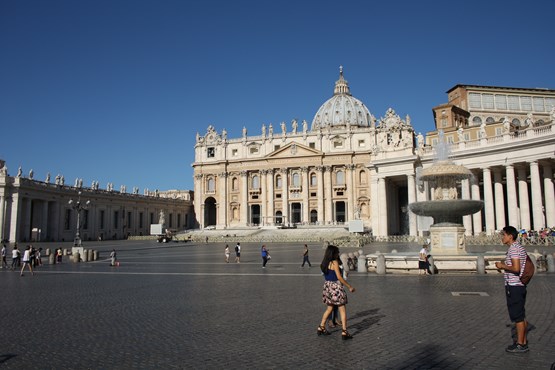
pixel 515 290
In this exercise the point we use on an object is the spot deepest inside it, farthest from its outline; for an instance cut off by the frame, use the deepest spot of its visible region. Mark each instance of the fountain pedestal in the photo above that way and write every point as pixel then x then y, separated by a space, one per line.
pixel 447 239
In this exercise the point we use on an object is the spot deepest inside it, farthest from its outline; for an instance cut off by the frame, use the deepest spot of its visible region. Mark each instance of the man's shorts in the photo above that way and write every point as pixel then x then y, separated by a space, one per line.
pixel 516 300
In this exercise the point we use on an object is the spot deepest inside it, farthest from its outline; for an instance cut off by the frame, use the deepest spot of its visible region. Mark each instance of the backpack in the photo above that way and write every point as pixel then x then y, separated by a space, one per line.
pixel 528 271
pixel 236 249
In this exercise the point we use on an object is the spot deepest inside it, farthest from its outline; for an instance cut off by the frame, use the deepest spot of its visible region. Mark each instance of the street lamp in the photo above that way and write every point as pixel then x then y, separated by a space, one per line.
pixel 78 206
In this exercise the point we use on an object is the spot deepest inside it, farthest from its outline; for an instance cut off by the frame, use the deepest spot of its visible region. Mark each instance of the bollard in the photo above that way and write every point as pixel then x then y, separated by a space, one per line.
pixel 90 255
pixel 481 264
pixel 76 257
pixel 380 264
pixel 47 252
pixel 431 265
pixel 52 259
pixel 95 255
pixel 550 265
pixel 85 256
pixel 362 263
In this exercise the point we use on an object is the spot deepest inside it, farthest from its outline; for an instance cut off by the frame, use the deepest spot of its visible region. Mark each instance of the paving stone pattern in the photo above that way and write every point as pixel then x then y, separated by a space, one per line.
pixel 179 306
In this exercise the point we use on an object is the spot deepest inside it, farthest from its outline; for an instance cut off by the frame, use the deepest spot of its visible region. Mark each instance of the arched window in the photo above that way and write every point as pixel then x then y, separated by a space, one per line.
pixel 278 182
pixel 313 181
pixel 234 183
pixel 340 178
pixel 362 178
pixel 255 182
pixel 490 120
pixel 516 122
pixel 476 121
pixel 211 184
pixel 296 179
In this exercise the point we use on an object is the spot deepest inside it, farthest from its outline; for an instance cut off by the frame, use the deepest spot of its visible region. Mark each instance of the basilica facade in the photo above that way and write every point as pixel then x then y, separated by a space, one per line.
pixel 347 165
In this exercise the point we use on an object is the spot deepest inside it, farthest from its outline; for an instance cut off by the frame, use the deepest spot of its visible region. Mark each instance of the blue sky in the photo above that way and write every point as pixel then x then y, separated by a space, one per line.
pixel 115 91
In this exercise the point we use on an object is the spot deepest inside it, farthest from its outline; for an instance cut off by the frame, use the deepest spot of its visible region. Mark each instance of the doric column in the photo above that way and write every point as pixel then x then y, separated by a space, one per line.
pixel 465 194
pixel 304 175
pixel 549 195
pixel 285 195
pixel 349 173
pixel 328 186
pixel 244 198
pixel 222 200
pixel 26 219
pixel 499 200
pixel 411 184
pixel 374 205
pixel 2 218
pixel 382 199
pixel 320 179
pixel 476 217
pixel 512 205
pixel 44 222
pixel 537 207
pixel 271 196
pixel 489 205
pixel 263 197
pixel 198 200
pixel 523 200
pixel 14 218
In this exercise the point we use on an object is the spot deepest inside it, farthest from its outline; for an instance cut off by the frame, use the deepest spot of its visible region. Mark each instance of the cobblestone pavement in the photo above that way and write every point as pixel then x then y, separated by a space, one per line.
pixel 177 306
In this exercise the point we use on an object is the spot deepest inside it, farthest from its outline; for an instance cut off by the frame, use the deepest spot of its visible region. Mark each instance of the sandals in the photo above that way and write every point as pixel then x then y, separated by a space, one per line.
pixel 322 331
pixel 345 335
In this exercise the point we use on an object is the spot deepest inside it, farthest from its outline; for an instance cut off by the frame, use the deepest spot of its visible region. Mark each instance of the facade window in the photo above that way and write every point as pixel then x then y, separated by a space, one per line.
pixel 501 102
pixel 338 144
pixel 361 143
pixel 362 179
pixel 210 152
pixel 276 147
pixel 255 182
pixel 498 131
pixel 234 183
pixel 513 102
pixel 487 101
pixel 490 120
pixel 116 219
pixel 211 185
pixel 466 136
pixel 538 104
pixel 549 104
pixel 278 182
pixel 253 150
pixel 444 122
pixel 450 139
pixel 313 181
pixel 312 145
pixel 475 100
pixel 526 103
pixel 476 121
pixel 67 219
pixel 340 178
pixel 234 152
pixel 516 122
pixel 102 220
pixel 296 179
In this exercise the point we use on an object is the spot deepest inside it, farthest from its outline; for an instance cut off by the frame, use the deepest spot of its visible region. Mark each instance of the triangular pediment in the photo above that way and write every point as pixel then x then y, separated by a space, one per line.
pixel 293 150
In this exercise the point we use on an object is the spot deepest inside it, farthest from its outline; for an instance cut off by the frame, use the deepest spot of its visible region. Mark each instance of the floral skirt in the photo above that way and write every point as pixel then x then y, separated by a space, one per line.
pixel 334 294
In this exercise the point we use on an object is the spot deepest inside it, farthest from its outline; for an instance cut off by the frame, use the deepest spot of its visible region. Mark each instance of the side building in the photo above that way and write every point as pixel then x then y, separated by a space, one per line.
pixel 33 210
pixel 347 165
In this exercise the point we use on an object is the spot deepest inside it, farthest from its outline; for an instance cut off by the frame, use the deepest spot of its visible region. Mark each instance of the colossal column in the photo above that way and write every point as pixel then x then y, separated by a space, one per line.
pixel 285 195
pixel 222 200
pixel 476 217
pixel 382 199
pixel 524 202
pixel 263 196
pixel 537 207
pixel 2 211
pixel 411 184
pixel 499 200
pixel 549 195
pixel 488 202
pixel 512 206
pixel 328 186
pixel 320 179
pixel 349 173
pixel 198 200
pixel 270 200
pixel 244 198
pixel 465 194
pixel 304 174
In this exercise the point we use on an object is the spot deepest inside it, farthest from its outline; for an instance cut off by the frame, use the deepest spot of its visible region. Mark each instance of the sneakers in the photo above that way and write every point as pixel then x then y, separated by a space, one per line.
pixel 517 348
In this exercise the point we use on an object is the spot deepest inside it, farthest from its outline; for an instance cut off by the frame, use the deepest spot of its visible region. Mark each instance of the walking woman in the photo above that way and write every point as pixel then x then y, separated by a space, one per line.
pixel 334 291
pixel 27 261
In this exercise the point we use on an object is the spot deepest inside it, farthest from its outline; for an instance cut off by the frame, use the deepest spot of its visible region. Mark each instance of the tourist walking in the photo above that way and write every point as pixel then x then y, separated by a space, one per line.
pixel 4 253
pixel 334 292
pixel 16 255
pixel 305 257
pixel 226 253
pixel 113 258
pixel 238 253
pixel 27 260
pixel 515 290
pixel 265 255
pixel 38 257
pixel 59 255
pixel 423 264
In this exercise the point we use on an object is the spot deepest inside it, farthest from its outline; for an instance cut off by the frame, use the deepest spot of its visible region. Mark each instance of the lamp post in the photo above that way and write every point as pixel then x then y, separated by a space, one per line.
pixel 78 207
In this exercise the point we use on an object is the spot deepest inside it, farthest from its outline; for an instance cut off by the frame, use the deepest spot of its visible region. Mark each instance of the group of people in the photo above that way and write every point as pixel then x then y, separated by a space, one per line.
pixel 31 258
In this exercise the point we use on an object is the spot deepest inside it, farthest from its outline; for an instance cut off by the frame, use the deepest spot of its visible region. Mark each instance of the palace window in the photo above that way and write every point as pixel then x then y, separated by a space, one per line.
pixel 255 182
pixel 513 102
pixel 253 150
pixel 501 102
pixel 490 120
pixel 234 152
pixel 313 181
pixel 296 179
pixel 476 121
pixel 538 104
pixel 487 101
pixel 361 143
pixel 278 182
pixel 338 144
pixel 211 184
pixel 516 122
pixel 276 147
pixel 210 152
pixel 340 178
pixel 312 145
pixel 234 183
pixel 475 100
pixel 526 103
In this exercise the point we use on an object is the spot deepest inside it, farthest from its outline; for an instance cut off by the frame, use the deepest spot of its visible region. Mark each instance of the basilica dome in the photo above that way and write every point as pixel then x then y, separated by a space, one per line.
pixel 342 109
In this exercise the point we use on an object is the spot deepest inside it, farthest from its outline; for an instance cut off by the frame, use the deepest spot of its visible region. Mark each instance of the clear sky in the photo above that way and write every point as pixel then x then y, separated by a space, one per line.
pixel 115 91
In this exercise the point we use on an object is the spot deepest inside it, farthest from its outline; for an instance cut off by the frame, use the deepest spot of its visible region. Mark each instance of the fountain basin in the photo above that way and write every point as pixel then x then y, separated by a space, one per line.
pixel 446 211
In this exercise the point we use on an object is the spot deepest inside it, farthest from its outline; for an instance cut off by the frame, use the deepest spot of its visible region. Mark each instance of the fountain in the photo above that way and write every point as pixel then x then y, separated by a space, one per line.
pixel 446 208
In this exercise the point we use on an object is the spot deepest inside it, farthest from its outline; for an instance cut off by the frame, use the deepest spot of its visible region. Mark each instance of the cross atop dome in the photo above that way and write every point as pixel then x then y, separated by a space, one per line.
pixel 341 86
